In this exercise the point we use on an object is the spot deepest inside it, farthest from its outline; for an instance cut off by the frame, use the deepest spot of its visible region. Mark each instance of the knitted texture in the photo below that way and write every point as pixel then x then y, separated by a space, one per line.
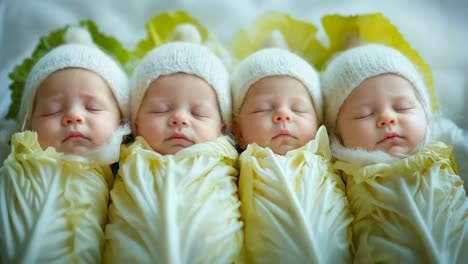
pixel 75 56
pixel 351 67
pixel 274 62
pixel 185 57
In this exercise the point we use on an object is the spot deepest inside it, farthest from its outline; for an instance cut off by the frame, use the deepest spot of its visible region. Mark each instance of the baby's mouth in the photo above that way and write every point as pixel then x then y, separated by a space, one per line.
pixel 179 136
pixel 390 136
pixel 283 133
pixel 75 136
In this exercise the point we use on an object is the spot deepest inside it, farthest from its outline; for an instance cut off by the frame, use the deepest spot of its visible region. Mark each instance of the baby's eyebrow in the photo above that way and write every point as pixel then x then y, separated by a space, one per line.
pixel 204 104
pixel 302 99
pixel 201 103
pixel 53 97
pixel 158 102
pixel 403 97
pixel 88 95
pixel 361 101
pixel 92 97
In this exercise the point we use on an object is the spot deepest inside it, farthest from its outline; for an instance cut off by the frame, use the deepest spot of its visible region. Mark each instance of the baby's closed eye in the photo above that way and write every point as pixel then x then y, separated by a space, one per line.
pixel 49 109
pixel 94 106
pixel 403 107
pixel 262 108
pixel 159 109
pixel 201 111
pixel 402 104
pixel 363 114
pixel 301 108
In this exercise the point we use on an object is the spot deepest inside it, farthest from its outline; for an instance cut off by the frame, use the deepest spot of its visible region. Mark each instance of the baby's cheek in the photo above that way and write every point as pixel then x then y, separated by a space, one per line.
pixel 46 139
pixel 354 137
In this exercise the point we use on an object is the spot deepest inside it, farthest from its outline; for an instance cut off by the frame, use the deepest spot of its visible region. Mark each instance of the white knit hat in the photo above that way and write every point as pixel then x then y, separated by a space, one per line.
pixel 351 67
pixel 185 57
pixel 274 62
pixel 79 52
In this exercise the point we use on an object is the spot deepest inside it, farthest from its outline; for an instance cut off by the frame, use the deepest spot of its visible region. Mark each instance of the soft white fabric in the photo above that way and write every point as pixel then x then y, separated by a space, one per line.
pixel 358 156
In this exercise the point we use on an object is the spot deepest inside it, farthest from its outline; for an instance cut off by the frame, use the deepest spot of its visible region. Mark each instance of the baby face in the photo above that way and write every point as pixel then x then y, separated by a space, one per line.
pixel 177 111
pixel 74 111
pixel 278 113
pixel 382 113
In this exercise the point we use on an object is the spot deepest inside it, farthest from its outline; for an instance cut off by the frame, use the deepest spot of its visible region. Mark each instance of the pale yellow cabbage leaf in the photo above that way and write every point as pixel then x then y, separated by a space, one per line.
pixel 52 210
pixel 294 206
pixel 348 31
pixel 160 28
pixel 299 35
pixel 412 211
pixel 181 208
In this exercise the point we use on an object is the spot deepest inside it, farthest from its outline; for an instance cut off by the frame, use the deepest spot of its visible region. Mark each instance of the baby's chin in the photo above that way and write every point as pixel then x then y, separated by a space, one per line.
pixel 78 150
pixel 397 151
pixel 282 149
pixel 172 149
